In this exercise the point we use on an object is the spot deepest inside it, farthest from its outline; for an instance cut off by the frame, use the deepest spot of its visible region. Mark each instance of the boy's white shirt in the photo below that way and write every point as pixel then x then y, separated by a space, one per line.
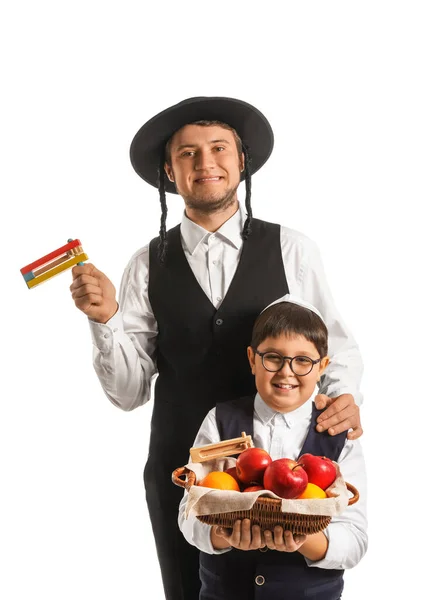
pixel 124 347
pixel 282 436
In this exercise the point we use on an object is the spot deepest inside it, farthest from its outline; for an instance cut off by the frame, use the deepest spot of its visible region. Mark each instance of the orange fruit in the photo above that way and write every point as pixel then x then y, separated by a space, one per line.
pixel 312 491
pixel 219 480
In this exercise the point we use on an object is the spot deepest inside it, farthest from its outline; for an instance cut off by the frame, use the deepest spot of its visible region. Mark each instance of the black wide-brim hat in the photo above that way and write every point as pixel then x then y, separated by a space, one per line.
pixel 147 148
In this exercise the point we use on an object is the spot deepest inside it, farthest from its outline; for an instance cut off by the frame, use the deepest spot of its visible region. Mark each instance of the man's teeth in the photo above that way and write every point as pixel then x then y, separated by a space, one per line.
pixel 285 386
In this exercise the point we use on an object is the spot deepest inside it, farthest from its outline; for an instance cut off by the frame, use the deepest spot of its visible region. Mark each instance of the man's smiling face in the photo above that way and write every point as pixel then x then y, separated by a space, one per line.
pixel 205 167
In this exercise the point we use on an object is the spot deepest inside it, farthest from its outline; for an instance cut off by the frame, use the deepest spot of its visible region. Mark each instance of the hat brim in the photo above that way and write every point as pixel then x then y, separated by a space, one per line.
pixel 253 128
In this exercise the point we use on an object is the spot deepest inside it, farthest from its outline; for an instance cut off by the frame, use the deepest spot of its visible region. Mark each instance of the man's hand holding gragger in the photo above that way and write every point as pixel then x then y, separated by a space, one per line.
pixel 93 293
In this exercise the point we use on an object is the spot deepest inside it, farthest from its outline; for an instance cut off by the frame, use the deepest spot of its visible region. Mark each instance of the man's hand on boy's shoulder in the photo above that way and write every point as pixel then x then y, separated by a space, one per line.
pixel 342 414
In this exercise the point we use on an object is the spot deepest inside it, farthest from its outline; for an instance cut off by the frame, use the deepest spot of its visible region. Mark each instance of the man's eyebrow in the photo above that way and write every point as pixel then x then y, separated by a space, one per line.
pixel 182 146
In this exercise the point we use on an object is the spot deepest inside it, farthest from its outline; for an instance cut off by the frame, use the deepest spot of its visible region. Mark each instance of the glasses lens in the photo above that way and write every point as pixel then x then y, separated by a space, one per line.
pixel 272 361
pixel 302 365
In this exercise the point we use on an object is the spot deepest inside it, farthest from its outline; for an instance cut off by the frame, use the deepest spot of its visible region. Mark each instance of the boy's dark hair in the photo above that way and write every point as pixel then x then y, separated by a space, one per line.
pixel 286 318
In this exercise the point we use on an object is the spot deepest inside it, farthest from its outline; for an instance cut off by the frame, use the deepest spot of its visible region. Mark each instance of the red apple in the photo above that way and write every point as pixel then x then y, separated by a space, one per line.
pixel 253 488
pixel 233 473
pixel 251 464
pixel 320 470
pixel 286 478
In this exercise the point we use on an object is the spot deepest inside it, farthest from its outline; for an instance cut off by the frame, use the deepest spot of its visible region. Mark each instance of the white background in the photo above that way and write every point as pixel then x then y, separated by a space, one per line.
pixel 353 92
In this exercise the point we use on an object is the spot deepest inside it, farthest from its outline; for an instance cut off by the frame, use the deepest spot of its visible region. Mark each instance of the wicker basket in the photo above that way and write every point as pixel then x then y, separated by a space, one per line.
pixel 266 512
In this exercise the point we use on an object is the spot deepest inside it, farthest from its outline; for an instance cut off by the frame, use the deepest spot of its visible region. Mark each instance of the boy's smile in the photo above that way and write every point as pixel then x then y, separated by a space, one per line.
pixel 283 390
pixel 285 386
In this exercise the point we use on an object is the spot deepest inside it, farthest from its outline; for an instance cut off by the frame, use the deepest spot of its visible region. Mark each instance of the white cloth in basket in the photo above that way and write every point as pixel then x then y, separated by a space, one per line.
pixel 207 501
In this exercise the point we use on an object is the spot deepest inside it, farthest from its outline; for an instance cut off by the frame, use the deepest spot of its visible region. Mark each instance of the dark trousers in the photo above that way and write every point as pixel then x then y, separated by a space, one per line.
pixel 179 561
pixel 270 575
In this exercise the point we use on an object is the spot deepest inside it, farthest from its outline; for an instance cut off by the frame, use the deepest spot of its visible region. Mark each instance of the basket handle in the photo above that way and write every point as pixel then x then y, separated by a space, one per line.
pixel 354 491
pixel 178 473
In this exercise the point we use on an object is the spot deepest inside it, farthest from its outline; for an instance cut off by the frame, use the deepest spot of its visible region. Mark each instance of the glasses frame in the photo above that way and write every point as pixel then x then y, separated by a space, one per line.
pixel 290 359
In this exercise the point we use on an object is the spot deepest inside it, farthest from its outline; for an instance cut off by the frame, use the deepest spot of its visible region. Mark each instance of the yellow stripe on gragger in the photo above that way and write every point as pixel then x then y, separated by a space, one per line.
pixel 56 270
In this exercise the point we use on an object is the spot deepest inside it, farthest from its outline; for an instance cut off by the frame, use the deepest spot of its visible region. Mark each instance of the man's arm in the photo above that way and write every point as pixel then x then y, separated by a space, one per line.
pixel 341 380
pixel 124 334
pixel 343 374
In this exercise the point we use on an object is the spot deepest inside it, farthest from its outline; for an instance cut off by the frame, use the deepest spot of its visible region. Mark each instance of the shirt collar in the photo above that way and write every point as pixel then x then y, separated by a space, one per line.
pixel 193 234
pixel 267 414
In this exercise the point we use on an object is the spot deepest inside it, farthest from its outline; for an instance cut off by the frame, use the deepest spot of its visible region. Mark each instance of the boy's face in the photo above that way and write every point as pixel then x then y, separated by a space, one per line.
pixel 284 391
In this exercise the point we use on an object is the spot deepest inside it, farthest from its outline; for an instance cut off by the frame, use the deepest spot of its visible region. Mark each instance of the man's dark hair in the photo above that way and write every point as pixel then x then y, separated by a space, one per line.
pixel 165 158
pixel 286 318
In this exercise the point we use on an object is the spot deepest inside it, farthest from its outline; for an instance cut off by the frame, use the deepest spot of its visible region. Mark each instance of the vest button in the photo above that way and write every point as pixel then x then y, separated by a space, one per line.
pixel 219 321
pixel 259 580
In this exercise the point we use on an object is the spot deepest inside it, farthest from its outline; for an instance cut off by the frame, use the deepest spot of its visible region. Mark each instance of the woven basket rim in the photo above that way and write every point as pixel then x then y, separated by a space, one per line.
pixel 191 480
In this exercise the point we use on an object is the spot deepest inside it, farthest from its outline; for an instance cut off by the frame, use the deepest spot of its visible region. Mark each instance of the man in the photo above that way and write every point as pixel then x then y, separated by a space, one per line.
pixel 188 301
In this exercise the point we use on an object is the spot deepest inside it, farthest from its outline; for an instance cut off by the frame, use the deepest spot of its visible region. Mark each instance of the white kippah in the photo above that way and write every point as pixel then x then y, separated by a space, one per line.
pixel 296 300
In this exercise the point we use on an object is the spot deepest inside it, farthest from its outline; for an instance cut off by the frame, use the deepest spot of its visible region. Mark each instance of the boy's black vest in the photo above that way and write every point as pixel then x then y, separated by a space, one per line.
pixel 202 351
pixel 241 575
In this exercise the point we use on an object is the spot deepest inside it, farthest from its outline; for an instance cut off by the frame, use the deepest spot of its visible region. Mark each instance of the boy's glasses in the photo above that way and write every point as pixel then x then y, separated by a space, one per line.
pixel 274 362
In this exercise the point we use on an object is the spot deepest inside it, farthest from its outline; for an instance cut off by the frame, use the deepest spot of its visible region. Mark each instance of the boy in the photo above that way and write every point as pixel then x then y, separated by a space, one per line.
pixel 287 355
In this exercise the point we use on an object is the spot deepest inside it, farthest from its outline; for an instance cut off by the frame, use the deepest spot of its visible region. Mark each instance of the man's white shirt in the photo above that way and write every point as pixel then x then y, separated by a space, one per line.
pixel 124 347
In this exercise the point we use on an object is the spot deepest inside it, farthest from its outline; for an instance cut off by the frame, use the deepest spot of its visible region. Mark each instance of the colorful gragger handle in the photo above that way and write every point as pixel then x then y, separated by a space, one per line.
pixel 55 262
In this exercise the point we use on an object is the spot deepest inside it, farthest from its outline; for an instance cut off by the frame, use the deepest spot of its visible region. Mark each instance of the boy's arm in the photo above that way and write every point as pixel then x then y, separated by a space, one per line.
pixel 196 533
pixel 315 546
pixel 347 533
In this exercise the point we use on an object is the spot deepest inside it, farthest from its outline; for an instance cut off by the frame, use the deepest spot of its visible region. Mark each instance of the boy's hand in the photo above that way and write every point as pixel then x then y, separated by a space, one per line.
pixel 283 541
pixel 242 536
pixel 93 293
pixel 342 413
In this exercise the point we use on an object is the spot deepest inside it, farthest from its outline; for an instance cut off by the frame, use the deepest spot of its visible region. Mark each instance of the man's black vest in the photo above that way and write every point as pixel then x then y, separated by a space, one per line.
pixel 202 351
pixel 270 575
